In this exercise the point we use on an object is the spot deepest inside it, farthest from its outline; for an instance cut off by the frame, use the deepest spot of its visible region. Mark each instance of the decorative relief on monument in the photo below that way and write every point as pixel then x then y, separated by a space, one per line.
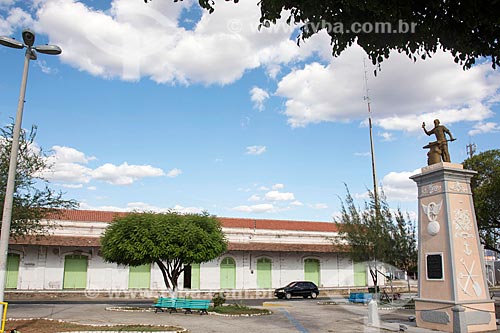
pixel 463 228
pixel 458 187
pixel 469 278
pixel 431 188
pixel 432 211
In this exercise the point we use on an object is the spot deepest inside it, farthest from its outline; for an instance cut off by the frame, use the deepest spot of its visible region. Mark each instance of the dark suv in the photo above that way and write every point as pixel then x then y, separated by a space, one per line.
pixel 297 288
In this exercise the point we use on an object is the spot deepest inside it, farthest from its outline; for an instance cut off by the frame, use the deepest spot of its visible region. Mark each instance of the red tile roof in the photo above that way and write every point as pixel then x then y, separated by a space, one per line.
pixel 227 222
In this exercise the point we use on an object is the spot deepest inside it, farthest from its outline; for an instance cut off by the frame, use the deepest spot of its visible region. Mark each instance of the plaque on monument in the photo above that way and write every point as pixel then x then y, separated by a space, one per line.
pixel 435 266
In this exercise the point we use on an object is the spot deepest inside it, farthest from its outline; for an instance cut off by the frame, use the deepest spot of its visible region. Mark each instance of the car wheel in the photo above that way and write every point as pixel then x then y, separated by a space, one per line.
pixel 288 295
pixel 314 295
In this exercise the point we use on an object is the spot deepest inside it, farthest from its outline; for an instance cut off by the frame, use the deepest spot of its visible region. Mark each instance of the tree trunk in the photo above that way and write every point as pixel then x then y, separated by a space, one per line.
pixel 163 270
pixel 171 272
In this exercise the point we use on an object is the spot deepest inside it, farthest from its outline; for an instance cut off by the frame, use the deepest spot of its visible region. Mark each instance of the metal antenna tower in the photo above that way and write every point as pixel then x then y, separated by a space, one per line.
pixel 471 149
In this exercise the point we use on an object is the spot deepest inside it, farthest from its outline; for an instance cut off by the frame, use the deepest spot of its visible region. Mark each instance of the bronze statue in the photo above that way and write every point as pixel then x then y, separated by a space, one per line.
pixel 439 148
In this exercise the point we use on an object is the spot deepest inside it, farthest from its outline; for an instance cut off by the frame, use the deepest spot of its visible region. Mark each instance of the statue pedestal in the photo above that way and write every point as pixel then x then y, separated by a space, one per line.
pixel 452 292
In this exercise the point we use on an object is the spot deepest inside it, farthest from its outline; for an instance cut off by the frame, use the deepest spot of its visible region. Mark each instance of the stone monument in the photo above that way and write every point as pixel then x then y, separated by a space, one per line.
pixel 452 292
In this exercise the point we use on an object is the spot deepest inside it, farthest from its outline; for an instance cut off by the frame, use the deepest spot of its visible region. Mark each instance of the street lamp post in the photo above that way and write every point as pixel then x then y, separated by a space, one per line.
pixel 29 40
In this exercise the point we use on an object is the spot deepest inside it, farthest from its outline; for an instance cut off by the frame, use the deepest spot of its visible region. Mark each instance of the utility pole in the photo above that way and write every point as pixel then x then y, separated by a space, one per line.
pixel 471 149
pixel 374 172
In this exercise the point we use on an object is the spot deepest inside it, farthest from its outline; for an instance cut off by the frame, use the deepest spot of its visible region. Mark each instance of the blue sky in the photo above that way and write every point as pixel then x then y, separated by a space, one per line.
pixel 163 106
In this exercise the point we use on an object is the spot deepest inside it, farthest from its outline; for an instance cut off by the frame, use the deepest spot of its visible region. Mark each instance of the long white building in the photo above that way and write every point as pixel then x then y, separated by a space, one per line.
pixel 262 255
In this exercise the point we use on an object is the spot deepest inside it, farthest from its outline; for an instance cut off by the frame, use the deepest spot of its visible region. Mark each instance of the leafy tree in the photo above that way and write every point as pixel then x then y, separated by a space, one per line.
pixel 34 200
pixel 469 29
pixel 170 240
pixel 486 193
pixel 377 236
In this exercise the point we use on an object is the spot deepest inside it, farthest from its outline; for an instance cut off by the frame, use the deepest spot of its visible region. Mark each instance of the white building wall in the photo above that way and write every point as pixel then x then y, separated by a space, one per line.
pixel 42 268
pixel 210 274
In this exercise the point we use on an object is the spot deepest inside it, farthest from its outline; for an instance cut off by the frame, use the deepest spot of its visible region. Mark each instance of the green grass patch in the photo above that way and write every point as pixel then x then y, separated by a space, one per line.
pixel 238 309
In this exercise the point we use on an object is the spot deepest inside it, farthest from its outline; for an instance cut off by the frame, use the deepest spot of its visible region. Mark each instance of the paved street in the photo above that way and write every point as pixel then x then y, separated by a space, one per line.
pixel 304 316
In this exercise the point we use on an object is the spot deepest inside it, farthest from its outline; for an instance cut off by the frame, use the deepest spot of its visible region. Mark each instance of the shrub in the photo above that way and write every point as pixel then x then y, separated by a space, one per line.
pixel 219 299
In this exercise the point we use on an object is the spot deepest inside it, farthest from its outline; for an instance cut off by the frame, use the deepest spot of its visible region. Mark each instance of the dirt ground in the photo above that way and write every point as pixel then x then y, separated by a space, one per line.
pixel 51 326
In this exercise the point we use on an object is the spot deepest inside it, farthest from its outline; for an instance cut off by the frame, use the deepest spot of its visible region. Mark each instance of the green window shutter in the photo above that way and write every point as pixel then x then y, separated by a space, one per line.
pixel 228 273
pixel 195 276
pixel 264 271
pixel 311 270
pixel 139 277
pixel 359 274
pixel 75 272
pixel 12 271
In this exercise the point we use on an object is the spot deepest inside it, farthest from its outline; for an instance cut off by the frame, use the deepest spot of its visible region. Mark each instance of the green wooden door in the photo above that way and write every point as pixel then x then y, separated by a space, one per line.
pixel 228 274
pixel 139 277
pixel 75 272
pixel 311 270
pixel 195 276
pixel 264 273
pixel 12 271
pixel 359 274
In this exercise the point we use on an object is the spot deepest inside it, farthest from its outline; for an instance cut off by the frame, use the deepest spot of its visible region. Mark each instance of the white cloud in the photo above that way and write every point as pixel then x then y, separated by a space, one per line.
pixel 125 174
pixel 254 197
pixel 398 186
pixel 278 186
pixel 15 18
pixel 68 165
pixel 72 185
pixel 434 88
pixel 261 208
pixel 174 173
pixel 296 203
pixel 365 154
pixel 258 97
pixel 69 155
pixel 42 64
pixel 481 128
pixel 220 48
pixel 255 150
pixel 143 207
pixel 386 136
pixel 188 210
pixel 279 196
pixel 318 206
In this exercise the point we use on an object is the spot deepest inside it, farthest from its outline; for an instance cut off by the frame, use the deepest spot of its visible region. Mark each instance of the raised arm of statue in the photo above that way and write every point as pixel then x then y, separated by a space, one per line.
pixel 426 131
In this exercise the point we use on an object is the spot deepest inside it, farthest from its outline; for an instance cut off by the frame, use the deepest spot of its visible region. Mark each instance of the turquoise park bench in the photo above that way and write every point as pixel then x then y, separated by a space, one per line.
pixel 186 304
pixel 360 297
pixel 198 304
pixel 164 303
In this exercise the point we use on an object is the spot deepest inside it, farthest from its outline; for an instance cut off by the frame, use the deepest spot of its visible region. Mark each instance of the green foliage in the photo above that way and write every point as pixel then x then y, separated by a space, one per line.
pixel 219 299
pixel 239 309
pixel 468 29
pixel 486 193
pixel 170 240
pixel 377 236
pixel 33 200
